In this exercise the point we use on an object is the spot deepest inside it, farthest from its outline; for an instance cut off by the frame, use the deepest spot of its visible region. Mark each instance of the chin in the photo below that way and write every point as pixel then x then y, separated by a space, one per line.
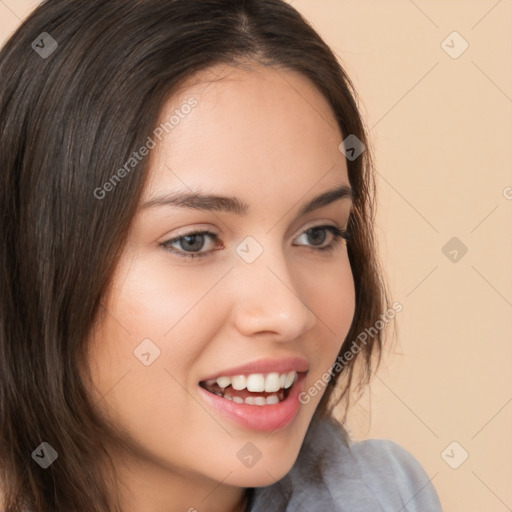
pixel 260 476
pixel 276 459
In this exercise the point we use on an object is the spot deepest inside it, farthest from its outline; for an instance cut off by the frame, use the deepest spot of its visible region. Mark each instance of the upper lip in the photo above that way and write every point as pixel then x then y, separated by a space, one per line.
pixel 283 365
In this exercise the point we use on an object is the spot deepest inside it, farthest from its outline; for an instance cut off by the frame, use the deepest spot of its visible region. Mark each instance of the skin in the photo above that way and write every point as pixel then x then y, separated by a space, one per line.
pixel 269 138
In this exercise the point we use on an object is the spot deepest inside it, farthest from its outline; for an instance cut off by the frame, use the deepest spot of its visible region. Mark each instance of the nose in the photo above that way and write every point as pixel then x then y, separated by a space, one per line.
pixel 268 300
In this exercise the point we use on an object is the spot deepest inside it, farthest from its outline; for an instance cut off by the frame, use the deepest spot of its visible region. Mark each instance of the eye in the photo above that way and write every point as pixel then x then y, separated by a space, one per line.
pixel 192 243
pixel 337 236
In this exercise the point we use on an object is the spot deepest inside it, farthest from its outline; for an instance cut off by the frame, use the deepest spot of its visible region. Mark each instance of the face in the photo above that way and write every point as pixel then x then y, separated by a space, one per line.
pixel 219 306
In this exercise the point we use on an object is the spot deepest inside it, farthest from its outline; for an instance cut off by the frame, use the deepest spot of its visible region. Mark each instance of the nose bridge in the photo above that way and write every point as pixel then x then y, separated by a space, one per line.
pixel 266 295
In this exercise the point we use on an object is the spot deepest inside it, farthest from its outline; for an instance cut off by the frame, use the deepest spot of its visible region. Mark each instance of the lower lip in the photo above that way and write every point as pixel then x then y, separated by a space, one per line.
pixel 263 418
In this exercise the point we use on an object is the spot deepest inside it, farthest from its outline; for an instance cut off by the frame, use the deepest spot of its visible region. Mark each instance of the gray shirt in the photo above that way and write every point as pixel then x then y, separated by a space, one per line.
pixel 334 474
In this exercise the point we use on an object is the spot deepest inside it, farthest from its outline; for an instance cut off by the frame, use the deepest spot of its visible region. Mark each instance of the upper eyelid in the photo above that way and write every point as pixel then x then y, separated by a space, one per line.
pixel 209 232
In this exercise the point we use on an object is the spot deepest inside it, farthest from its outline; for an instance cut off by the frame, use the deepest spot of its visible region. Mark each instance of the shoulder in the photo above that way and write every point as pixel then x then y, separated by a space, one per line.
pixel 394 474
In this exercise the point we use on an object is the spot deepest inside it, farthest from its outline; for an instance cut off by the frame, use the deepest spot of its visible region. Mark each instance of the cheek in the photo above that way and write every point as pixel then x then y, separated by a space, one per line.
pixel 148 318
pixel 331 296
pixel 332 299
pixel 153 300
pixel 153 308
pixel 145 313
pixel 340 299
pixel 160 302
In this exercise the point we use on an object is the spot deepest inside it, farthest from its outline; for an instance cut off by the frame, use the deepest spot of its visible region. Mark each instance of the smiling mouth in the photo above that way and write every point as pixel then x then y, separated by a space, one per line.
pixel 253 389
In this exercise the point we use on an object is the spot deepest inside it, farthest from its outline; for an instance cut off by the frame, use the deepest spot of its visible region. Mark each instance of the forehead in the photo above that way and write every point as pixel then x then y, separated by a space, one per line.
pixel 266 128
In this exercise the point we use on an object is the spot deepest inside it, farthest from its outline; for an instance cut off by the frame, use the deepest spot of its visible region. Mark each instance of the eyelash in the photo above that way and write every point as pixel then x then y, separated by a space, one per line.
pixel 338 236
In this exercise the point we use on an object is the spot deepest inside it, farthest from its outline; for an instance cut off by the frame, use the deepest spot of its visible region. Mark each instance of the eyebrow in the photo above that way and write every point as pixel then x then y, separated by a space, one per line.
pixel 210 202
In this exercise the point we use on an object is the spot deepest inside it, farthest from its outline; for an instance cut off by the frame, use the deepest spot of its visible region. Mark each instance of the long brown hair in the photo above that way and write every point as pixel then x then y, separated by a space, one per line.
pixel 82 85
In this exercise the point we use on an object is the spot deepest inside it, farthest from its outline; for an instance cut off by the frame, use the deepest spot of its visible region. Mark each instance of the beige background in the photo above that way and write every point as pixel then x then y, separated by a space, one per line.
pixel 442 130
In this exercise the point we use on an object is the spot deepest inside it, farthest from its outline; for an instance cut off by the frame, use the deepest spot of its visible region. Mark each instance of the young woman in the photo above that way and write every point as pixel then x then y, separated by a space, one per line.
pixel 188 276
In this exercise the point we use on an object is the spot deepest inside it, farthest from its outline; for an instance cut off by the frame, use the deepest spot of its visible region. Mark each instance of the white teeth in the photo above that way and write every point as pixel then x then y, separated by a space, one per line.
pixel 272 383
pixel 255 383
pixel 275 383
pixel 258 400
pixel 290 377
pixel 238 382
pixel 223 382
